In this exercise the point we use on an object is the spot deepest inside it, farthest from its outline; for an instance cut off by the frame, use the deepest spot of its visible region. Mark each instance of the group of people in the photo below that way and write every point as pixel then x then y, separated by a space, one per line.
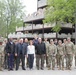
pixel 52 52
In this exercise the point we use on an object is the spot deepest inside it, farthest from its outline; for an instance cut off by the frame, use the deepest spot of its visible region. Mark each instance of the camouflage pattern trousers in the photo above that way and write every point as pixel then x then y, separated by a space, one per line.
pixel 46 61
pixel 1 61
pixel 61 61
pixel 75 60
pixel 69 59
pixel 57 60
pixel 51 61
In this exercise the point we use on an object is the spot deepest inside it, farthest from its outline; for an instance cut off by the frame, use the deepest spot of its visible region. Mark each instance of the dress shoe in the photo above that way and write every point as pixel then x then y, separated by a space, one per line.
pixel 11 69
pixel 16 69
pixel 42 68
pixel 49 68
pixel 23 69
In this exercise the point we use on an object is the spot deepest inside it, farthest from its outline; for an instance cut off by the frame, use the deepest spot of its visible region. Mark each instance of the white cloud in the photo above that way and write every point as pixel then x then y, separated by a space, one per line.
pixel 31 6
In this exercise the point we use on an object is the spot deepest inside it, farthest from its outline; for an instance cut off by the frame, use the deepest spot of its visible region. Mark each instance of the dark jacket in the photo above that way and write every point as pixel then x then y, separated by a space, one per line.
pixel 10 47
pixel 35 41
pixel 41 49
pixel 24 49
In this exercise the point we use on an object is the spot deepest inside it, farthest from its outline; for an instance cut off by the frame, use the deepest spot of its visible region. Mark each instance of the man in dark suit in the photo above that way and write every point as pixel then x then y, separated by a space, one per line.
pixel 20 52
pixel 10 48
pixel 26 43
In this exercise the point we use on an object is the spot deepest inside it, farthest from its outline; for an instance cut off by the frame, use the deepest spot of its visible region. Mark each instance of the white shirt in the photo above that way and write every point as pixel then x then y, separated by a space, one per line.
pixel 30 49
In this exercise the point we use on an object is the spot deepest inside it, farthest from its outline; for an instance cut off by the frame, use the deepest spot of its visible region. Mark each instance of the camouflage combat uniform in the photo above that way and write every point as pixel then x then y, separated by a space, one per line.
pixel 47 47
pixel 65 57
pixel 1 56
pixel 75 54
pixel 61 52
pixel 51 56
pixel 69 49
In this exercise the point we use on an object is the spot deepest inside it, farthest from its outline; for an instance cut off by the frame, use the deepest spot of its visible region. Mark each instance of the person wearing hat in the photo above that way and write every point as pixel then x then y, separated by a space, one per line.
pixel 75 54
pixel 47 47
pixel 69 50
pixel 65 58
pixel 5 54
pixel 51 53
pixel 61 53
pixel 1 54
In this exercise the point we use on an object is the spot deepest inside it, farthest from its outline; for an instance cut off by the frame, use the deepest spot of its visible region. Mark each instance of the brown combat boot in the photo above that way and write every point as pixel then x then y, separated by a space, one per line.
pixel 49 68
pixel 1 69
pixel 59 68
pixel 69 68
pixel 66 68
pixel 62 68
pixel 52 68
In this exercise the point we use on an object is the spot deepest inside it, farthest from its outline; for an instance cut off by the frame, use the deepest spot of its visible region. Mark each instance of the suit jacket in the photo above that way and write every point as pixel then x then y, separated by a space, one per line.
pixel 24 49
pixel 10 47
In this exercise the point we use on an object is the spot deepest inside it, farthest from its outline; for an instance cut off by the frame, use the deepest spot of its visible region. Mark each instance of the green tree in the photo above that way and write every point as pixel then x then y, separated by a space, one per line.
pixel 60 11
pixel 2 19
pixel 12 13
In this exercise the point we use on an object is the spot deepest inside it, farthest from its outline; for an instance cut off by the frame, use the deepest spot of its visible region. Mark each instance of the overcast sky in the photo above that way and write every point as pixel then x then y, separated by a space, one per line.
pixel 31 6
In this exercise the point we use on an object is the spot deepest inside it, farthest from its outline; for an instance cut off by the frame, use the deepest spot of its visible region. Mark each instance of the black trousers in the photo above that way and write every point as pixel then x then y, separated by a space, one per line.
pixel 18 58
pixel 10 61
pixel 30 60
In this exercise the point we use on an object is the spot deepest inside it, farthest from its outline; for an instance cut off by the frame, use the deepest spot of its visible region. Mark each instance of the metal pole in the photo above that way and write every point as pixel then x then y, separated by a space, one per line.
pixel 32 27
pixel 43 32
pixel 23 26
pixel 56 32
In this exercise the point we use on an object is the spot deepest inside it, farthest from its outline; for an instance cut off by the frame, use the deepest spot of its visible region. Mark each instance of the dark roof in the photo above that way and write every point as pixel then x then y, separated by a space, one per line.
pixel 37 21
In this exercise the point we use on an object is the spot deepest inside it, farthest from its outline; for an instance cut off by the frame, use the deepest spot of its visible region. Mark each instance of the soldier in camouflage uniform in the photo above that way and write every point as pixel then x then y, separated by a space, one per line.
pixel 64 43
pixel 51 53
pixel 60 52
pixel 56 43
pixel 69 49
pixel 75 55
pixel 1 54
pixel 5 54
pixel 47 47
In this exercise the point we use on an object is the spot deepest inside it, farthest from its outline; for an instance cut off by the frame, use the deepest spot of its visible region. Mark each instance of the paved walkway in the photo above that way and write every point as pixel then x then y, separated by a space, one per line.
pixel 39 72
